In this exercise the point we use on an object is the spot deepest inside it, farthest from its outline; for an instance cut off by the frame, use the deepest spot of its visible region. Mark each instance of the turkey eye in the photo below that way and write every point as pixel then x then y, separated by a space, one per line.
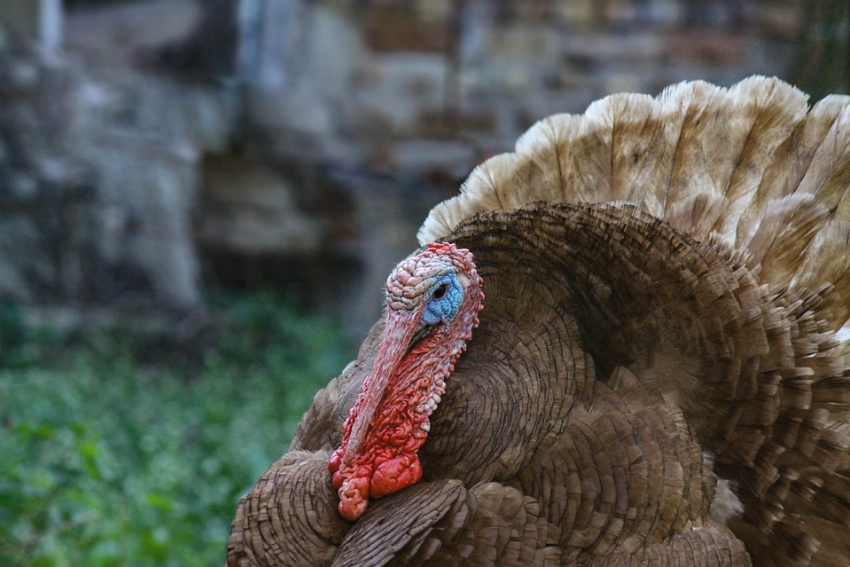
pixel 440 292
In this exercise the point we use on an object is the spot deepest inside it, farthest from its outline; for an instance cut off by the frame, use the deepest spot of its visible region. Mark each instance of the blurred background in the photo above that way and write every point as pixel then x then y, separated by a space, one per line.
pixel 200 200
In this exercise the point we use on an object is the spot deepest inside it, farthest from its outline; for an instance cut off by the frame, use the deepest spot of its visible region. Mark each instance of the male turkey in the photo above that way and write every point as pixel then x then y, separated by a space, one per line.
pixel 660 373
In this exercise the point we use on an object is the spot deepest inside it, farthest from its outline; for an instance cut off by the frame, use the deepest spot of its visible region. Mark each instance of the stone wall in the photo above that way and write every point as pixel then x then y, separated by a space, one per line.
pixel 99 177
pixel 422 90
pixel 171 145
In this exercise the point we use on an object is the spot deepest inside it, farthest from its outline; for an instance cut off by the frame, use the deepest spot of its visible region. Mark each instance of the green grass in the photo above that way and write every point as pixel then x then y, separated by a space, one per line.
pixel 109 458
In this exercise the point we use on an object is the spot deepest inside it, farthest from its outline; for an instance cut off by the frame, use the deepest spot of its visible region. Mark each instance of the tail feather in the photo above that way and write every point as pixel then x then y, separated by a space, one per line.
pixel 707 148
pixel 831 242
pixel 784 232
pixel 745 167
pixel 766 112
pixel 794 167
pixel 826 175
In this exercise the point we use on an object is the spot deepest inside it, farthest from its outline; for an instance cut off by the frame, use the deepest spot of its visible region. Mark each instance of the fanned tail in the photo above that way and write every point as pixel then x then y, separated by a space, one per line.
pixel 746 167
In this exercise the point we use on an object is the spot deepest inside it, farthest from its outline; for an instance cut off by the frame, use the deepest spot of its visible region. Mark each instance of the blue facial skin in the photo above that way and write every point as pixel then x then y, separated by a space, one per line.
pixel 443 309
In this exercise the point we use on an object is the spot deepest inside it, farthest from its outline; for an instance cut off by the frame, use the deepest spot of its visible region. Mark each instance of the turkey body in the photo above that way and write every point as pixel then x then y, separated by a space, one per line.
pixel 660 374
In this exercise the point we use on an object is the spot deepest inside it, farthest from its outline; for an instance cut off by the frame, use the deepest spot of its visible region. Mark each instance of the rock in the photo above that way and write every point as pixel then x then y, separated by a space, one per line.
pixel 398 87
pixel 102 171
pixel 23 74
pixel 16 234
pixel 424 157
pixel 23 187
pixel 300 95
pixel 251 209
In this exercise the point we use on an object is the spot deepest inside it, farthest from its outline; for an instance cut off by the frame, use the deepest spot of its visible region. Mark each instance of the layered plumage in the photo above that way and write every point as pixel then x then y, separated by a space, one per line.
pixel 662 367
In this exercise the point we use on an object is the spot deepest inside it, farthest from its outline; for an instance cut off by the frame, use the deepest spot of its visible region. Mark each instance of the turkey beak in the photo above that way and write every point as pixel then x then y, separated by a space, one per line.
pixel 417 336
pixel 399 331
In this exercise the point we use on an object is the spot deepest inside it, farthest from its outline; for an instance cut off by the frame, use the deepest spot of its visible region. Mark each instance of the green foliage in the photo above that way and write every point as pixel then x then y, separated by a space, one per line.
pixel 107 461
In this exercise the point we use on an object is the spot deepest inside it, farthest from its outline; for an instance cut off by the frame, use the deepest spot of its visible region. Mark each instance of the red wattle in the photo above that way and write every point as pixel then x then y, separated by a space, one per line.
pixel 335 461
pixel 353 498
pixel 393 475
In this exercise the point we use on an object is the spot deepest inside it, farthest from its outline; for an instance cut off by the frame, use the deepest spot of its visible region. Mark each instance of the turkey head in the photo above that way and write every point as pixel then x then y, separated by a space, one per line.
pixel 433 300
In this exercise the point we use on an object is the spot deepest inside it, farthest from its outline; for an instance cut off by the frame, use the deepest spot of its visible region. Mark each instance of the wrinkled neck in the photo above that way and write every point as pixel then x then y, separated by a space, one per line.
pixel 386 460
pixel 412 394
pixel 416 389
pixel 418 384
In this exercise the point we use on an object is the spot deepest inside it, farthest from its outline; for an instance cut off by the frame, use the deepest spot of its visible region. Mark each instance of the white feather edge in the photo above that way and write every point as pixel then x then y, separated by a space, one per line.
pixel 496 186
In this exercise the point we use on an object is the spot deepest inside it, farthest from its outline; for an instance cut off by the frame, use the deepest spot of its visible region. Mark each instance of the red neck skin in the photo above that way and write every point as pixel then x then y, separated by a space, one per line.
pixel 387 459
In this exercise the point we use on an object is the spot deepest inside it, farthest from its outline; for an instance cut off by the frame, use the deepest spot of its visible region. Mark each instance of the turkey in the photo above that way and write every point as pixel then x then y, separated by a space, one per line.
pixel 625 343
